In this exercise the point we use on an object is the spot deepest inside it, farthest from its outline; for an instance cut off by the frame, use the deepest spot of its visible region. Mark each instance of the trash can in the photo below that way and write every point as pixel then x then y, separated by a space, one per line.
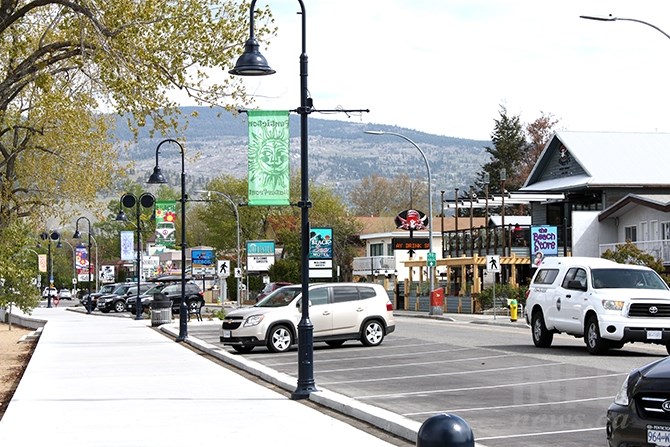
pixel 161 309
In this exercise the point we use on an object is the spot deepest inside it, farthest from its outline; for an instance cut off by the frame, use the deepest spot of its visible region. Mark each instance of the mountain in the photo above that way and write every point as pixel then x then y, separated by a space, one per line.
pixel 340 154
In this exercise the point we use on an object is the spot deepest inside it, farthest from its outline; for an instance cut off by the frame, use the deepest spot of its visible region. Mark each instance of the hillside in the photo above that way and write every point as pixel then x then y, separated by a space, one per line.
pixel 340 154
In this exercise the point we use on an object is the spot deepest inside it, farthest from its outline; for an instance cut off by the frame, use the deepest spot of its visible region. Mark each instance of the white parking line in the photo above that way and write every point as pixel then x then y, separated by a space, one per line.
pixel 474 388
pixel 455 373
pixel 401 365
pixel 504 407
pixel 546 433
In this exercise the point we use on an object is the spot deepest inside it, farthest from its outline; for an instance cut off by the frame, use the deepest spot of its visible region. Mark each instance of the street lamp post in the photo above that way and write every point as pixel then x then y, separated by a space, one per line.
pixel 49 236
pixel 431 269
pixel 129 200
pixel 77 235
pixel 487 180
pixel 503 177
pixel 74 259
pixel 611 18
pixel 253 63
pixel 157 177
pixel 237 222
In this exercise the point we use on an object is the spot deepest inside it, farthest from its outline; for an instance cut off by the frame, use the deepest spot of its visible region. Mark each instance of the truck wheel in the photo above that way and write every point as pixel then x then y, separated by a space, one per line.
pixel 542 337
pixel 595 344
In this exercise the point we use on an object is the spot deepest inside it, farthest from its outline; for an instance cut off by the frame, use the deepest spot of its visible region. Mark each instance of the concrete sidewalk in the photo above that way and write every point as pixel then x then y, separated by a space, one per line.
pixel 101 381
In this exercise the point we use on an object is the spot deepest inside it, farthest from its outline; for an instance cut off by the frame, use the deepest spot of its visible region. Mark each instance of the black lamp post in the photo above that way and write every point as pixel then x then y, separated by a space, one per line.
pixel 77 235
pixel 49 236
pixel 129 200
pixel 611 18
pixel 252 63
pixel 157 177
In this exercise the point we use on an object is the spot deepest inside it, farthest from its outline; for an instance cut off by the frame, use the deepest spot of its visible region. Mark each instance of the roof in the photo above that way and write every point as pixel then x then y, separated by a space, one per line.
pixel 600 155
pixel 660 202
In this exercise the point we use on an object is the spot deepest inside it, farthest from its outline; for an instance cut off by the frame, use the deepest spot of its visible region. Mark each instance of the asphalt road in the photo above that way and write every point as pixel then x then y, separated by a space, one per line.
pixel 511 393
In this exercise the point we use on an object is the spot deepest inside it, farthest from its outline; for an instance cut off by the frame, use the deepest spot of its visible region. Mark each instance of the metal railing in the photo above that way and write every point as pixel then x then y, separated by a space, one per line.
pixel 374 265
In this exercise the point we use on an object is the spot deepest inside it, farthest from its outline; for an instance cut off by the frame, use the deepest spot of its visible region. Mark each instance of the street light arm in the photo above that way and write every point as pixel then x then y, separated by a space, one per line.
pixel 611 18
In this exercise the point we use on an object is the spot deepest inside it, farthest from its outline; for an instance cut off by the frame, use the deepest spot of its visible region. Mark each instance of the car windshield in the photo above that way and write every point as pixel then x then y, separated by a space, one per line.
pixel 627 279
pixel 279 298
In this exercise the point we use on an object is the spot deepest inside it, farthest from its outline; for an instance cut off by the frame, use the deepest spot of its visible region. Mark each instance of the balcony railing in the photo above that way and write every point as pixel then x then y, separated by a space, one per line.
pixel 659 249
pixel 374 265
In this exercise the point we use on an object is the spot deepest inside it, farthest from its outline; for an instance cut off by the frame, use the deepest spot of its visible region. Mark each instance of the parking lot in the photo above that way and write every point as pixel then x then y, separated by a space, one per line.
pixel 511 393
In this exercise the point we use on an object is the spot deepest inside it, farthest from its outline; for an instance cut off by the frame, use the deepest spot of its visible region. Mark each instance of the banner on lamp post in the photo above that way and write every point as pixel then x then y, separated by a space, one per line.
pixel 269 168
pixel 127 246
pixel 166 216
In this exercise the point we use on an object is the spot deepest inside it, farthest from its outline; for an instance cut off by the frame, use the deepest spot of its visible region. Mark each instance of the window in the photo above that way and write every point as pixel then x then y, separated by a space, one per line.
pixel 630 233
pixel 376 249
pixel 367 292
pixel 344 294
pixel 546 276
pixel 574 274
pixel 665 230
pixel 318 296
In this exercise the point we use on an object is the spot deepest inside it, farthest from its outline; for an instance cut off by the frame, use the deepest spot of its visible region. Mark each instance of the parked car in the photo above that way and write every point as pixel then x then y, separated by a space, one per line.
pixel 172 288
pixel 338 311
pixel 104 290
pixel 65 294
pixel 608 304
pixel 640 413
pixel 116 300
pixel 271 287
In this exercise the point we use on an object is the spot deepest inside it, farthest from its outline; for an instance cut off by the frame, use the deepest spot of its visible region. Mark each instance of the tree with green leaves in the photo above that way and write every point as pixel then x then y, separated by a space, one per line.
pixel 65 61
pixel 629 253
pixel 18 268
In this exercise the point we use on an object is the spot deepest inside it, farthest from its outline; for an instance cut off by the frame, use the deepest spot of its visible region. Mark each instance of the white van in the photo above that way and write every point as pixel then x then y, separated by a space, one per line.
pixel 606 303
pixel 338 312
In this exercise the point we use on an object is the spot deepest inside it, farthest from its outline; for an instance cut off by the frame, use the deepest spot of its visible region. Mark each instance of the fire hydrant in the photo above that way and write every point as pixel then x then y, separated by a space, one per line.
pixel 513 309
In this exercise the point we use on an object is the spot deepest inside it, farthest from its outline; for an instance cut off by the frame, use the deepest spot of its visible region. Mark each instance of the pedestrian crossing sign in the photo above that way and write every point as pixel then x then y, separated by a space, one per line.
pixel 493 263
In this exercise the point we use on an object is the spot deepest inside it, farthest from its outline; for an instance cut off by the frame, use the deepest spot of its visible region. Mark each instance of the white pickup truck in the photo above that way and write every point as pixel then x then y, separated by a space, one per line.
pixel 606 303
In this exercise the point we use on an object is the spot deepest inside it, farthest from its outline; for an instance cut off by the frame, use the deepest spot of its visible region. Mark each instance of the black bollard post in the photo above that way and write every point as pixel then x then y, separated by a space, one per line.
pixel 445 430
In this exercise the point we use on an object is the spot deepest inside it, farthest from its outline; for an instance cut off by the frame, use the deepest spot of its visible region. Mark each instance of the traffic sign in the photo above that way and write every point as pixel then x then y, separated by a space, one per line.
pixel 432 259
pixel 493 263
pixel 223 268
pixel 238 273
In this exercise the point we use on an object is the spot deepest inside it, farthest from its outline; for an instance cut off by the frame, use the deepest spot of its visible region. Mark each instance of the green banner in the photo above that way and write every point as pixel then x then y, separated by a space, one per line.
pixel 166 216
pixel 269 169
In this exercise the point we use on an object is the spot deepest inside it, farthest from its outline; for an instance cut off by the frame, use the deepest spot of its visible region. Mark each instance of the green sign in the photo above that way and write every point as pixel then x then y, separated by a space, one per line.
pixel 432 259
pixel 268 157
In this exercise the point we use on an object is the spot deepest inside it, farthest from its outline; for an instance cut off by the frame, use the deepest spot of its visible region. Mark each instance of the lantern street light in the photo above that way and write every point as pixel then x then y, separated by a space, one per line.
pixel 431 269
pixel 49 236
pixel 146 200
pixel 237 221
pixel 77 235
pixel 157 177
pixel 253 63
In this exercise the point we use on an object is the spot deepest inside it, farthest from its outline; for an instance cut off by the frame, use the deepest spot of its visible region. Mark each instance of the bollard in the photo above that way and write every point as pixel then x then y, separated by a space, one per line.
pixel 445 430
pixel 513 310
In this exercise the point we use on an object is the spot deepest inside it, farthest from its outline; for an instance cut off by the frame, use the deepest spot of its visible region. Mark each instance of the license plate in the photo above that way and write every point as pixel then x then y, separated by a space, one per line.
pixel 227 334
pixel 654 335
pixel 658 435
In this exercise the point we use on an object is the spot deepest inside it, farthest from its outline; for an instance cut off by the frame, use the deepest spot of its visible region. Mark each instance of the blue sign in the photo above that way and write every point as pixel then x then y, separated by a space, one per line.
pixel 321 243
pixel 202 257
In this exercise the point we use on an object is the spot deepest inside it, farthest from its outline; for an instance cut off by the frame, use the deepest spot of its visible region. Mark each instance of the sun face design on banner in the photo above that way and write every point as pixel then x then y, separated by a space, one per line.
pixel 269 170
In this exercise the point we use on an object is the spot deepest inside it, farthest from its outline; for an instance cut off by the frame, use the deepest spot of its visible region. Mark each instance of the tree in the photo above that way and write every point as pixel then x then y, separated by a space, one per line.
pixel 539 132
pixel 381 196
pixel 629 253
pixel 509 145
pixel 18 268
pixel 62 62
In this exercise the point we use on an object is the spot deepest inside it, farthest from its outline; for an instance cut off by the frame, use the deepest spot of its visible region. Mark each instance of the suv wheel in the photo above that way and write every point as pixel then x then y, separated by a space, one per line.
pixel 595 344
pixel 119 306
pixel 373 333
pixel 193 305
pixel 541 335
pixel 279 339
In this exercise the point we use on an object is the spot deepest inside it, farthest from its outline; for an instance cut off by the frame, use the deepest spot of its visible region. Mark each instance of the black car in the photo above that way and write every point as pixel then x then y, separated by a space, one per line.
pixel 194 296
pixel 116 300
pixel 104 290
pixel 640 413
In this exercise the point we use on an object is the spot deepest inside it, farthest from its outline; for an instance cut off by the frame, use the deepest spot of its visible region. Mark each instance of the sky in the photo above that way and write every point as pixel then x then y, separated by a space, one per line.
pixel 445 67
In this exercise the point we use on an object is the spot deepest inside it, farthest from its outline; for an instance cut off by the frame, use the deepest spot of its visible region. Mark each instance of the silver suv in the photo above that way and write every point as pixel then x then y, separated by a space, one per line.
pixel 606 303
pixel 338 312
